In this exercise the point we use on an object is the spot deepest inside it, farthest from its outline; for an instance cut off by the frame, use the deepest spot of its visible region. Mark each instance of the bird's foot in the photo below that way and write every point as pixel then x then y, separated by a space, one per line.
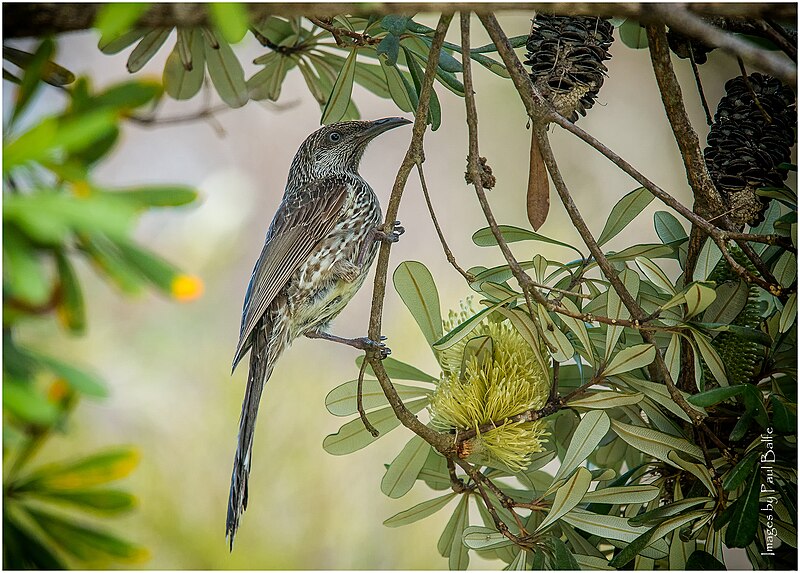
pixel 362 343
pixel 391 237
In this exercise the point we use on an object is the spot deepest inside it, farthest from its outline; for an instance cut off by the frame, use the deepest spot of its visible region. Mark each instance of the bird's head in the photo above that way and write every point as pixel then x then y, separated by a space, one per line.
pixel 337 148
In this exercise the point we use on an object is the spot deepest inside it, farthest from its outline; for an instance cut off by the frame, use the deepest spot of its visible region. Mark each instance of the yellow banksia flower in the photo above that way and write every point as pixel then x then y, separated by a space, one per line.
pixel 186 288
pixel 489 391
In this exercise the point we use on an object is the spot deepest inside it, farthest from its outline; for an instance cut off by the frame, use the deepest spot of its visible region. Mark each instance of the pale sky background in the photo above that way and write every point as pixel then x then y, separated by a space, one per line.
pixel 168 364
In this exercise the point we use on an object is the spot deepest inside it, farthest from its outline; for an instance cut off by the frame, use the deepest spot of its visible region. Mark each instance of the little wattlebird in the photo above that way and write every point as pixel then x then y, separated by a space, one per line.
pixel 317 253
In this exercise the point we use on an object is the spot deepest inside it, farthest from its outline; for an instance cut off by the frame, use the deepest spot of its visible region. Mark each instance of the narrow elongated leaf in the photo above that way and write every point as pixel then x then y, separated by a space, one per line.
pixel 711 358
pixel 606 400
pixel 632 34
pixel 785 270
pixel 650 250
pixel 654 443
pixel 698 298
pixel 658 515
pixel 399 370
pixel 32 79
pixel 590 431
pixel 371 76
pixel 578 327
pixel 82 473
pixel 414 283
pixel 23 275
pixel 703 561
pixel 624 212
pixel 631 358
pixel 147 48
pixel 482 538
pixel 658 532
pixel 463 329
pixel 538 196
pixel 231 19
pixel 115 18
pixel 105 501
pixel 668 228
pixel 25 403
pixel 226 72
pixel 395 85
pixel 342 91
pixel 697 470
pixel 740 471
pixel 116 44
pixel 623 495
pixel 606 526
pixel 417 76
pixel 341 401
pixel 743 525
pixel 788 314
pixel 729 302
pixel 72 310
pixel 80 380
pixel 616 309
pixel 419 511
pixel 659 394
pixel 403 471
pixel 672 356
pixel 524 324
pixel 157 196
pixel 353 435
pixel 452 530
pixel 557 339
pixel 567 497
pixel 708 258
pixel 180 82
pixel 655 275
pixel 715 395
pixel 485 238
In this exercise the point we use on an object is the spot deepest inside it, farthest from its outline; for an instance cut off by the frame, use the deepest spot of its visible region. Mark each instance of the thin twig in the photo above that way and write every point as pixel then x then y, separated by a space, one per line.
pixel 469 277
pixel 698 82
pixel 360 401
pixel 753 94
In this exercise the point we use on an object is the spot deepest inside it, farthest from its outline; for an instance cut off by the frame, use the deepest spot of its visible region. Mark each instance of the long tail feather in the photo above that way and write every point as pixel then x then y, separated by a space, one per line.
pixel 268 343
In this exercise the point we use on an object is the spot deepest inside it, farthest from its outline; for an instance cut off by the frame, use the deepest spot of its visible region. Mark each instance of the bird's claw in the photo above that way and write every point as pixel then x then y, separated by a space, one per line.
pixel 393 236
pixel 370 344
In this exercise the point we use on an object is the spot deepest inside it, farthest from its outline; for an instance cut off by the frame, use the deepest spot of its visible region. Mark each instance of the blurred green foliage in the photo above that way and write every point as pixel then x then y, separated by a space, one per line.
pixel 54 213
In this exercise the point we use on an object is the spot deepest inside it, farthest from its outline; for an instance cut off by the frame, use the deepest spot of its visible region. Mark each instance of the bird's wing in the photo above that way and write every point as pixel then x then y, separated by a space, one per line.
pixel 302 221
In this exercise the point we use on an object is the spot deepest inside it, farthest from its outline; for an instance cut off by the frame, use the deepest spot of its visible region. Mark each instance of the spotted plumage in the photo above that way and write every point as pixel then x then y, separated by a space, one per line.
pixel 316 255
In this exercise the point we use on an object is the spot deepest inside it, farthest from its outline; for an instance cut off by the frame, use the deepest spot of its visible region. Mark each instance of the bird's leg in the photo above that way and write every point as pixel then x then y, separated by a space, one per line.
pixel 377 234
pixel 362 343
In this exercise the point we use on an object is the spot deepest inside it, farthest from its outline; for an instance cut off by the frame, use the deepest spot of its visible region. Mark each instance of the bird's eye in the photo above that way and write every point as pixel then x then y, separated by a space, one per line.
pixel 334 137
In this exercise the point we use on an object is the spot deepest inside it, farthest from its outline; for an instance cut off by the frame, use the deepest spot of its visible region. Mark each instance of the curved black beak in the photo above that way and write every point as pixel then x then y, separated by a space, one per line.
pixel 380 126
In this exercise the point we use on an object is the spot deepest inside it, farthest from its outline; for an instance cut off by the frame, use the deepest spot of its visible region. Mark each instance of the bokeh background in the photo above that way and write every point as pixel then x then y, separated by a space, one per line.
pixel 168 364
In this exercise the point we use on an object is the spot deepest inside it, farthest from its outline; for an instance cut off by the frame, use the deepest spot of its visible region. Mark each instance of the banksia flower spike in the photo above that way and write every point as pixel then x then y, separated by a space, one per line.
pixel 749 138
pixel 486 387
pixel 566 54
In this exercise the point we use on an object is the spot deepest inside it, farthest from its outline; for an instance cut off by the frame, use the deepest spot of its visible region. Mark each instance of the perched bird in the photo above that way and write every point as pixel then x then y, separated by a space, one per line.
pixel 317 253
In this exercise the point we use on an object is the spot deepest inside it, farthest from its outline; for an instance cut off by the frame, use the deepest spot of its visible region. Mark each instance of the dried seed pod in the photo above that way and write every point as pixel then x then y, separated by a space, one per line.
pixel 566 54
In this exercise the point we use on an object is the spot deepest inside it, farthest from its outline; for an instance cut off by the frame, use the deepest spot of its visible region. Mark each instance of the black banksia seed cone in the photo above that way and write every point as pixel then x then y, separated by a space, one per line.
pixel 747 142
pixel 687 48
pixel 566 54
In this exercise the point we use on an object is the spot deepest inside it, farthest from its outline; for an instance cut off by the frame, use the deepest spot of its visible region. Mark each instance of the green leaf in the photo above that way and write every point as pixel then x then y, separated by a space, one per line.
pixel 32 79
pixel 458 558
pixel 659 394
pixel 782 419
pixel 697 470
pixel 353 435
pixel 395 24
pixel 105 501
pixel 23 276
pixel 23 549
pixel 371 76
pixel 400 370
pixel 114 19
pixel 650 250
pixel 672 356
pixel 180 82
pixel 155 269
pixel 606 526
pixel 716 395
pixel 484 538
pixel 157 195
pixel 561 348
pixel 743 526
pixel 754 403
pixel 658 515
pixel 606 400
pixel 71 311
pixel 463 329
pixel 147 48
pixel 226 72
pixel 658 532
pixel 698 298
pixel 711 358
pixel 275 29
pixel 655 275
pixel 624 212
pixel 785 270
pixel 417 75
pixel 633 35
pixel 341 401
pixel 615 308
pixel 22 401
pixel 630 358
pixel 525 326
pixel 419 511
pixel 654 443
pixel 267 83
pixel 450 81
pixel 708 258
pixel 389 47
pixel 730 301
pixel 342 90
pixel 740 471
pixel 231 19
pixel 108 260
pixel 85 472
pixel 114 45
pixel 668 228
pixel 80 380
pixel 578 327
pixel 567 497
pixel 563 560
pixel 82 542
pixel 403 471
pixel 452 531
pixel 788 314
pixel 590 431
pixel 396 85
pixel 52 73
pixel 703 561
pixel 414 283
pixel 623 495
pixel 485 238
